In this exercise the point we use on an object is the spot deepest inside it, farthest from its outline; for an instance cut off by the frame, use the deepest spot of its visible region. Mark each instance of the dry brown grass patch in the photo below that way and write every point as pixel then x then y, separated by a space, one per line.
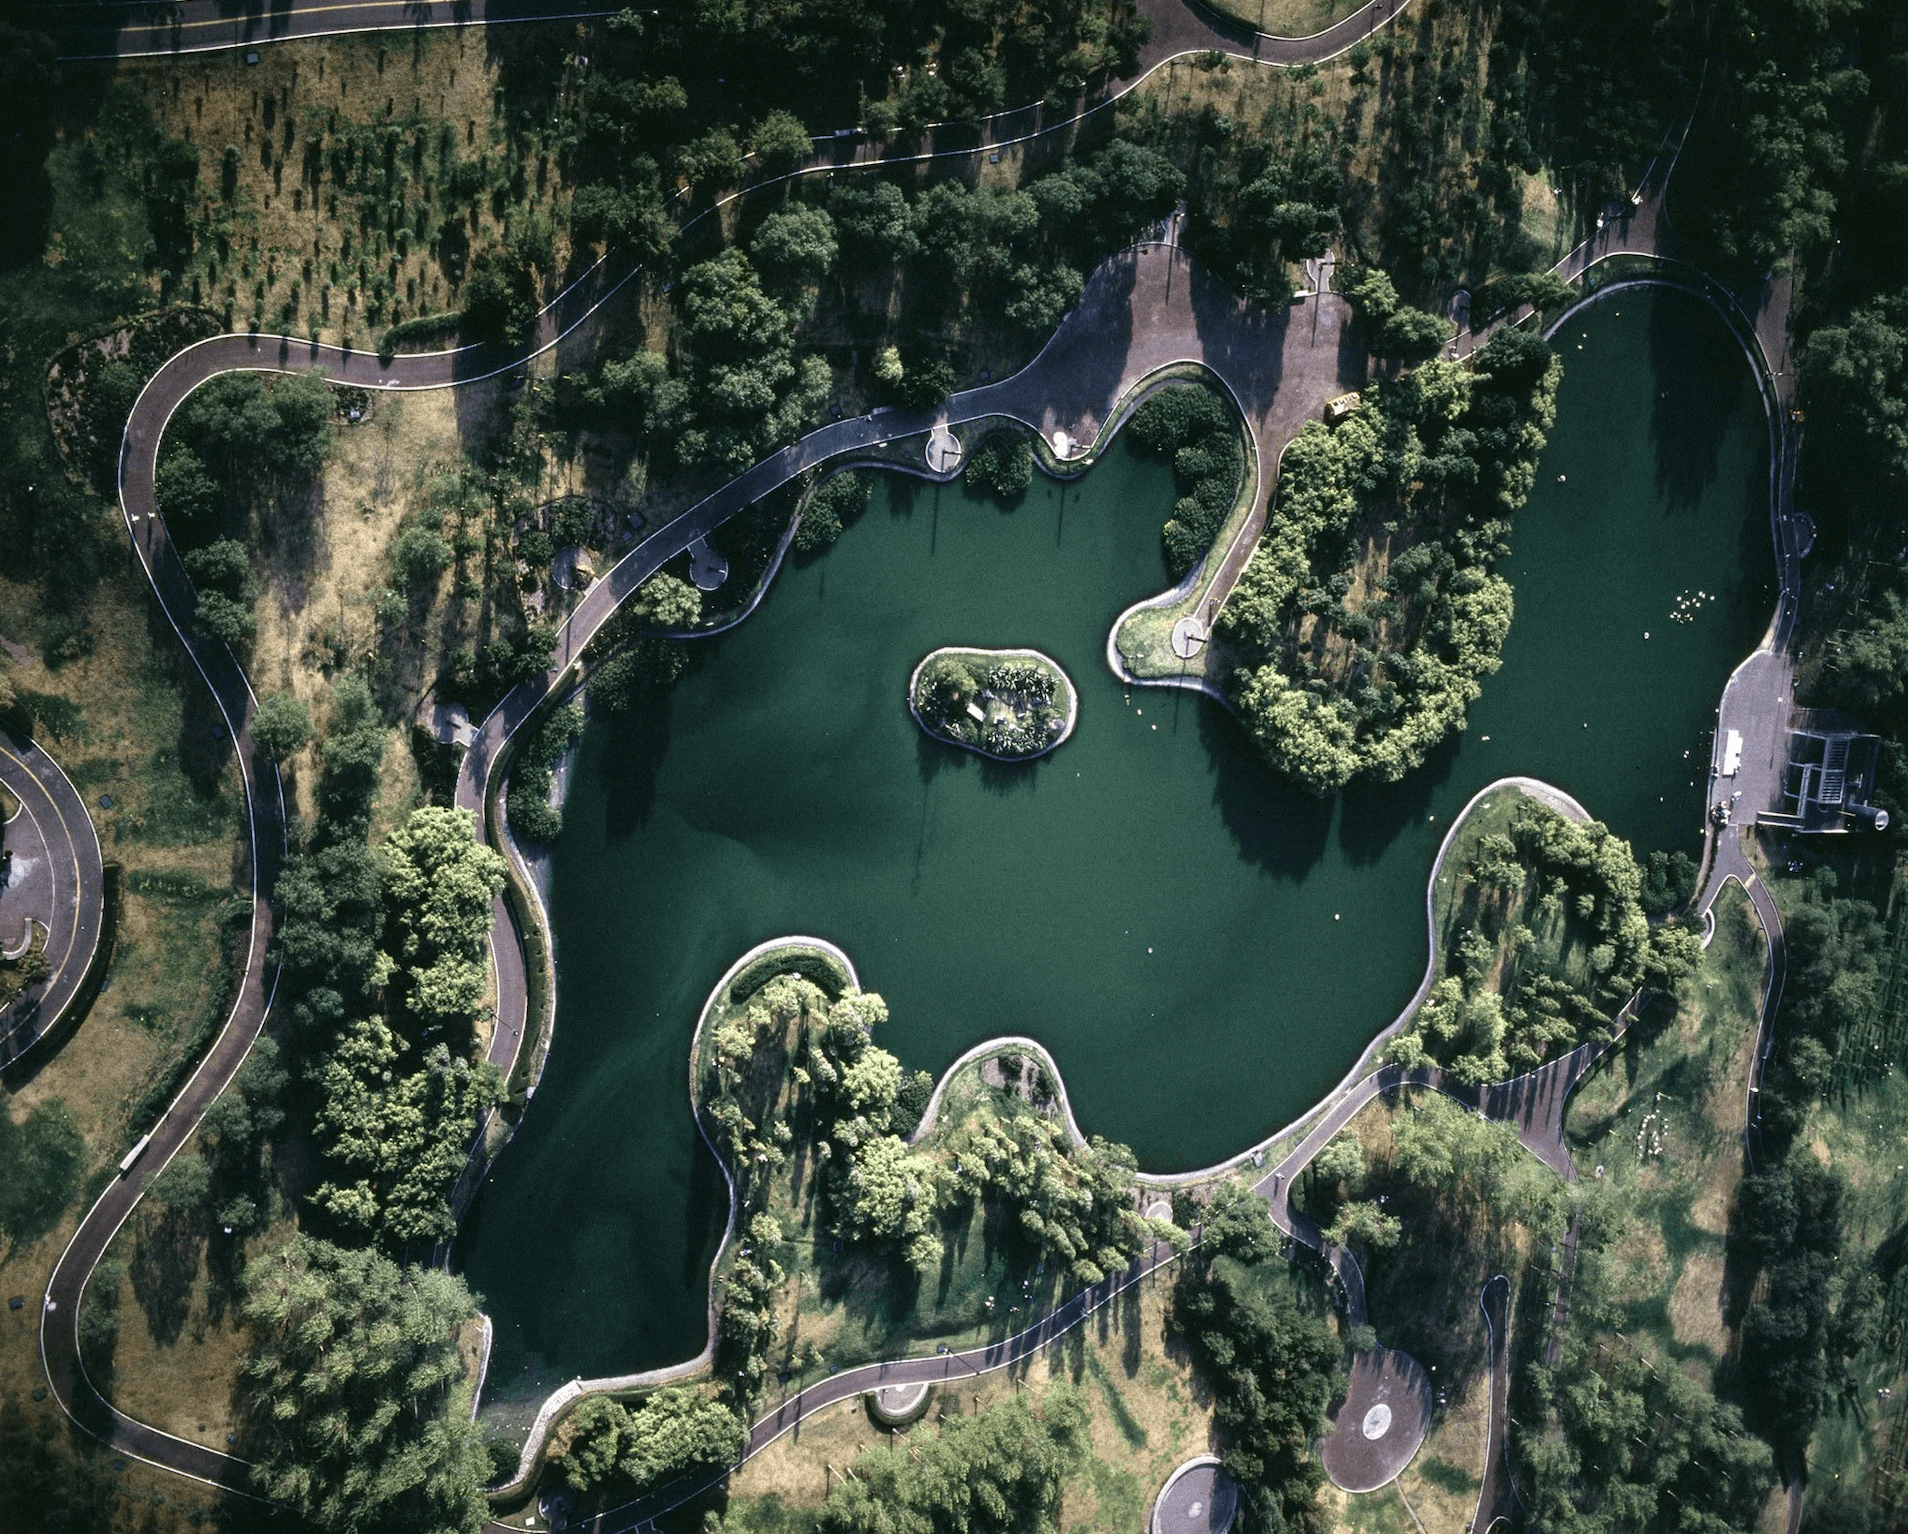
pixel 1695 1307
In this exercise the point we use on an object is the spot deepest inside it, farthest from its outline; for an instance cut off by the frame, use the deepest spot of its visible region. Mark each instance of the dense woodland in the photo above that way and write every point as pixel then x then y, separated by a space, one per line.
pixel 1556 937
pixel 1366 622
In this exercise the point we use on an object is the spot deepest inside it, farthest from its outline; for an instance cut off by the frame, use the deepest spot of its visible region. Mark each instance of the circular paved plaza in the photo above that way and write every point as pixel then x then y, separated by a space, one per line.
pixel 1384 1418
pixel 1198 1498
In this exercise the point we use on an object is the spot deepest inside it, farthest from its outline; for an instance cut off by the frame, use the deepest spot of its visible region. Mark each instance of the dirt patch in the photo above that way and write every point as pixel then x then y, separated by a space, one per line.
pixel 1695 1306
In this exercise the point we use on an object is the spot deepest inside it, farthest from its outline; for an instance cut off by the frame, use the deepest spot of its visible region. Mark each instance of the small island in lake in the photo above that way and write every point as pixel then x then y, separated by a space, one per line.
pixel 1011 705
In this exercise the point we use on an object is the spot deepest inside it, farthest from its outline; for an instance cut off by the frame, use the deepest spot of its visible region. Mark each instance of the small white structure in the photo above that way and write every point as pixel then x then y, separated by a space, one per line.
pixel 1732 753
pixel 943 450
pixel 707 568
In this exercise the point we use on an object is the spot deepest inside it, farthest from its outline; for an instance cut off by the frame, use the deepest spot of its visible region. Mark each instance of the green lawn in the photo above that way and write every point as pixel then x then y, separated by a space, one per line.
pixel 1661 1118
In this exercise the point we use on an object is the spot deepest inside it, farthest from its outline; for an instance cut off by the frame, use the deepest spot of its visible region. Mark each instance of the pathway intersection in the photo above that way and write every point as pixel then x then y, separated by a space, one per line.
pixel 1144 310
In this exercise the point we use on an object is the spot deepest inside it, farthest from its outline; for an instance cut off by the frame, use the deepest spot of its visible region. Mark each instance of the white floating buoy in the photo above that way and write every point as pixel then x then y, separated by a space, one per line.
pixel 1335 916
pixel 1560 479
pixel 1646 633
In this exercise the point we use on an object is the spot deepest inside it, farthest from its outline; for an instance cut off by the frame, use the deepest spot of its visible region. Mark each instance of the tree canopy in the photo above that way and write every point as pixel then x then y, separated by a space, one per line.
pixel 1407 498
pixel 358 1412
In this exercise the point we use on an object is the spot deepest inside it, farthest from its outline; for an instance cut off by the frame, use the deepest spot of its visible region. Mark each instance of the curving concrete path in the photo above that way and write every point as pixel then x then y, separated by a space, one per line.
pixel 52 881
pixel 1143 311
pixel 1081 382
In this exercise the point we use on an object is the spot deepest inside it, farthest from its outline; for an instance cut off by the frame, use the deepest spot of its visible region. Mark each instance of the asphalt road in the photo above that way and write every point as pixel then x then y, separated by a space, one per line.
pixel 55 879
pixel 1494 1301
pixel 1069 383
pixel 99 30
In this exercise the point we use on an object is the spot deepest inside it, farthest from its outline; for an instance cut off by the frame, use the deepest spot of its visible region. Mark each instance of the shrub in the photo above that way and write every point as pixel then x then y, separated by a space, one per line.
pixel 1002 465
pixel 835 505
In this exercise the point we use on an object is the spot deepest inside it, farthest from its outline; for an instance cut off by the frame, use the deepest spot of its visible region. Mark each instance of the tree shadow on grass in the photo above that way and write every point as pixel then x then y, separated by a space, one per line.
pixel 164 1265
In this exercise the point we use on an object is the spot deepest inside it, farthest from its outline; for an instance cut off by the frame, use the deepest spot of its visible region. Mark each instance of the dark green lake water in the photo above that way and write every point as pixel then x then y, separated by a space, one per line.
pixel 1204 950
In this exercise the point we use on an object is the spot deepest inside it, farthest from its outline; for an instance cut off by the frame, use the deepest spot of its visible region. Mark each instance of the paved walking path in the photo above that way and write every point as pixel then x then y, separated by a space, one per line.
pixel 1494 1302
pixel 51 878
pixel 1142 310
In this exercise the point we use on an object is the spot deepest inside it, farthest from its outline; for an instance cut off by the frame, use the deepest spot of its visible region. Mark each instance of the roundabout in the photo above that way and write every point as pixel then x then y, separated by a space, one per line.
pixel 52 893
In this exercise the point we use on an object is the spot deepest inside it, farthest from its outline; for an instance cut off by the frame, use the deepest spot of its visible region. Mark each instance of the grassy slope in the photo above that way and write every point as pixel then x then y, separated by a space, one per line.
pixel 1662 1118
pixel 275 223
pixel 1149 1414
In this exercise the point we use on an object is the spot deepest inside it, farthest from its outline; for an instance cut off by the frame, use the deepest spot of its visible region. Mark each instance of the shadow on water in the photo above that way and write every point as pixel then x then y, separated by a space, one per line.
pixel 704 1215
pixel 1698 393
pixel 1281 829
pixel 1376 814
pixel 630 763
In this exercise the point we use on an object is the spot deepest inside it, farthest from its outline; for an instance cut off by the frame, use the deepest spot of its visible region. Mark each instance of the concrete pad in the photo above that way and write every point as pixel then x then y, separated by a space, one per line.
pixel 1386 1414
pixel 707 568
pixel 1198 1498
pixel 943 450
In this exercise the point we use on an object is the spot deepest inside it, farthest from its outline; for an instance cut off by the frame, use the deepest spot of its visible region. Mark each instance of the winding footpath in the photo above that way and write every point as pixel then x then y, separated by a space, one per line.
pixel 1083 377
pixel 1146 312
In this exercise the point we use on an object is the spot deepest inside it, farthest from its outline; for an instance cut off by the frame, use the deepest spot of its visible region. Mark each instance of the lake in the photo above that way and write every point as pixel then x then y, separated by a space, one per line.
pixel 1203 949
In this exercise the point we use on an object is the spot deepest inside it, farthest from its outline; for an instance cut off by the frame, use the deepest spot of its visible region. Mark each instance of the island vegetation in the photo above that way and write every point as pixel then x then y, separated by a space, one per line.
pixel 1545 933
pixel 1012 705
pixel 1467 152
pixel 821 1127
pixel 1361 631
pixel 1200 434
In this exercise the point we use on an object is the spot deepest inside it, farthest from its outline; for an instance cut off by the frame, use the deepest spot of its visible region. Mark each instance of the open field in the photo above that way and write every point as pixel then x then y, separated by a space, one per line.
pixel 348 181
pixel 1656 1132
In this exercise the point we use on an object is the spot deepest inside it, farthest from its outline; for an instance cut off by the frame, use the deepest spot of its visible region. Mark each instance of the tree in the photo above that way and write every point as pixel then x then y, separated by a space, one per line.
pixel 674 1432
pixel 56 1481
pixel 710 163
pixel 1238 1224
pixel 1002 464
pixel 1858 372
pixel 926 384
pixel 794 251
pixel 44 1155
pixel 352 751
pixel 223 572
pixel 780 141
pixel 836 503
pixel 665 602
pixel 420 555
pixel 647 667
pixel 500 301
pixel 742 389
pixel 358 1409
pixel 1364 1222
pixel 439 884
pixel 1273 1372
pixel 189 497
pixel 874 221
pixel 1342 1160
pixel 282 726
pixel 891 1195
pixel 394 1143
pixel 997 1471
